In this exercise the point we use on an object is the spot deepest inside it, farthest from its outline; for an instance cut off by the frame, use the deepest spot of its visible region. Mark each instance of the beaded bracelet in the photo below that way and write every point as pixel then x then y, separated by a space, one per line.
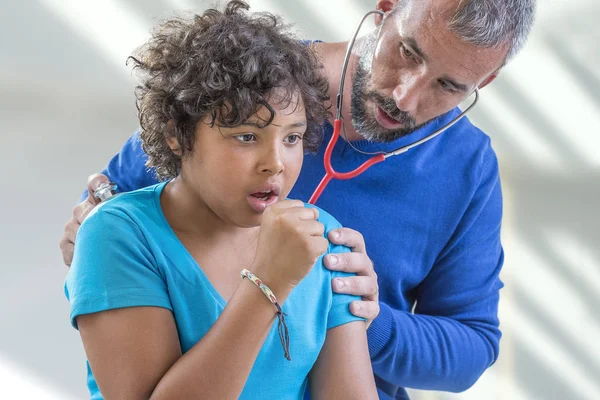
pixel 282 328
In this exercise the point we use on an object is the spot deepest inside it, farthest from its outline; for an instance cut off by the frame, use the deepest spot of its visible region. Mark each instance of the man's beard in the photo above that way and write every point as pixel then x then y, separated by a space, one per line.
pixel 365 123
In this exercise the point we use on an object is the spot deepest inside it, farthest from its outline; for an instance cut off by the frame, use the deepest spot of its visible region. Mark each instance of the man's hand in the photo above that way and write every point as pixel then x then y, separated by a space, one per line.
pixel 358 262
pixel 81 210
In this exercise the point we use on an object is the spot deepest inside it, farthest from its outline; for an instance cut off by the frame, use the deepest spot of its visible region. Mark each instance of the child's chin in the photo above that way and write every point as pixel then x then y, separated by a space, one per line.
pixel 250 222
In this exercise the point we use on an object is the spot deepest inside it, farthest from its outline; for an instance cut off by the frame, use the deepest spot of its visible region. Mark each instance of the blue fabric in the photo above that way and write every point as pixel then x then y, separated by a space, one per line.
pixel 127 255
pixel 431 222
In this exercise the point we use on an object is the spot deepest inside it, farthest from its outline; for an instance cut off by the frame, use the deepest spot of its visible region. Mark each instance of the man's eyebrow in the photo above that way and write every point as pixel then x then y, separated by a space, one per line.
pixel 415 47
pixel 458 86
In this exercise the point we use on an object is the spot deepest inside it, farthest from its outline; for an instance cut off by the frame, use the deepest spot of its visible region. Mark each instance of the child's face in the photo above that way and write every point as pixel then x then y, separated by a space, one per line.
pixel 237 172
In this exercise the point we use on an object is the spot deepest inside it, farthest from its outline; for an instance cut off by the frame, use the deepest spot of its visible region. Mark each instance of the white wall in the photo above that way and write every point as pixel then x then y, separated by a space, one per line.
pixel 66 105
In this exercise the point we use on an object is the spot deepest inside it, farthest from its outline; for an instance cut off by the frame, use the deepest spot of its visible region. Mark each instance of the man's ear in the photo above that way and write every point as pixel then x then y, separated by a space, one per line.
pixel 385 6
pixel 171 139
pixel 489 79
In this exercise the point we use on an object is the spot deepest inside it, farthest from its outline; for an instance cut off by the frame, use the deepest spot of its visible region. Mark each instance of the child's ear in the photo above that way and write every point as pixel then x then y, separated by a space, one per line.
pixel 172 141
pixel 174 145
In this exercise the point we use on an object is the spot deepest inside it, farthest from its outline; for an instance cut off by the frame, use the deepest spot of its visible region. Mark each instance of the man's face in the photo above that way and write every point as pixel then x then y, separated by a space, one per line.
pixel 415 70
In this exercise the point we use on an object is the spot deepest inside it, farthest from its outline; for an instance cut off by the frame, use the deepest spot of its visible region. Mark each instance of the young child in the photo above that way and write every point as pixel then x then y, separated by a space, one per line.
pixel 228 104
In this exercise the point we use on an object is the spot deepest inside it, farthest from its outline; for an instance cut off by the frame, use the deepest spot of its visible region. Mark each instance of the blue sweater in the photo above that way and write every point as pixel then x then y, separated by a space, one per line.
pixel 431 222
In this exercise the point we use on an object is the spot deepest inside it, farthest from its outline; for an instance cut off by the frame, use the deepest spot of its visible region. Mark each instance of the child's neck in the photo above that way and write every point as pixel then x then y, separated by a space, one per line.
pixel 220 249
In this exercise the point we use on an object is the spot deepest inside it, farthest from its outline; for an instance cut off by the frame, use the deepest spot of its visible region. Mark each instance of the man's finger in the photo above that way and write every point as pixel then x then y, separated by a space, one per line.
pixel 368 310
pixel 83 209
pixel 67 242
pixel 67 249
pixel 349 238
pixel 94 181
pixel 71 231
pixel 363 286
pixel 67 245
pixel 358 263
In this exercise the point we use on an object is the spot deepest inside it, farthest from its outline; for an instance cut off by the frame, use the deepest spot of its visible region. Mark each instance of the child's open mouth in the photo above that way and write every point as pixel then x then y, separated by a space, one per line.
pixel 260 200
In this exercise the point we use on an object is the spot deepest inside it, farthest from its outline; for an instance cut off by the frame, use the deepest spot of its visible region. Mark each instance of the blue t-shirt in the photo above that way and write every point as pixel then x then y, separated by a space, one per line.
pixel 127 255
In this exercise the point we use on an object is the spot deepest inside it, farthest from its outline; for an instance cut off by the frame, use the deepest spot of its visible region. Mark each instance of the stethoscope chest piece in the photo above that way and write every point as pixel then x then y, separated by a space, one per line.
pixel 105 191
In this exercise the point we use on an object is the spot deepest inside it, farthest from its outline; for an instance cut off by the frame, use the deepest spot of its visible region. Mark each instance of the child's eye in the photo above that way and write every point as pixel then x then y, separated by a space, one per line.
pixel 246 137
pixel 293 139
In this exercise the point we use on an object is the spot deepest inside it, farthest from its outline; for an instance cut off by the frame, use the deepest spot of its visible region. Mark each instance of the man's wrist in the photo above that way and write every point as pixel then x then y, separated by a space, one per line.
pixel 381 330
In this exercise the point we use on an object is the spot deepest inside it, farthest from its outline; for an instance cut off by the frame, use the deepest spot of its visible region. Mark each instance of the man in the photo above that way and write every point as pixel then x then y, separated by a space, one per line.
pixel 431 217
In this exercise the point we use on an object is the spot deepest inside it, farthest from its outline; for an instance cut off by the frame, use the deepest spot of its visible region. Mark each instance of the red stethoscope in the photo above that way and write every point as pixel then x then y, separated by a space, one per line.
pixel 330 172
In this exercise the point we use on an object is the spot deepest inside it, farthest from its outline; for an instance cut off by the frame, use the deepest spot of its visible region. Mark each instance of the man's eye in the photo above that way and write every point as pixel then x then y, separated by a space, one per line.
pixel 406 52
pixel 293 139
pixel 447 87
pixel 246 137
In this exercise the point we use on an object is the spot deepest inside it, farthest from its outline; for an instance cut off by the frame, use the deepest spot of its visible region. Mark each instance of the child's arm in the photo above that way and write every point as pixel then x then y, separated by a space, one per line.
pixel 343 369
pixel 135 353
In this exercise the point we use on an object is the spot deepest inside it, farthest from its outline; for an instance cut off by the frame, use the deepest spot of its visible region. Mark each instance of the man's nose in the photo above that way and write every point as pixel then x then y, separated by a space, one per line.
pixel 407 94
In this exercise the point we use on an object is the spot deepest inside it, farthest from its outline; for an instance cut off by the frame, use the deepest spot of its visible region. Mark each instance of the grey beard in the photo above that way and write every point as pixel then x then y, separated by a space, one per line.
pixel 365 124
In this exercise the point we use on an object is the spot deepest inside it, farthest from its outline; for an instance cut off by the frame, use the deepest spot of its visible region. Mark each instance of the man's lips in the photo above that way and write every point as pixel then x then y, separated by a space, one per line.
pixel 385 120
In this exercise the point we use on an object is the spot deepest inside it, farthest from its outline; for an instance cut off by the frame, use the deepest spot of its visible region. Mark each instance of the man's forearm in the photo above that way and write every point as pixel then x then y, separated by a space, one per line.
pixel 428 352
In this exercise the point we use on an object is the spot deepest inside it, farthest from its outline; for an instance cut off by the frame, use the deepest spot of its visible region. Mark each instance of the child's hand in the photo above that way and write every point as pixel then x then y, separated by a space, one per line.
pixel 290 242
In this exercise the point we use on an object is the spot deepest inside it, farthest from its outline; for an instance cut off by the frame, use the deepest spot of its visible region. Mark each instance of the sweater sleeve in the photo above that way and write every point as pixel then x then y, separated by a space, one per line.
pixel 453 335
pixel 128 167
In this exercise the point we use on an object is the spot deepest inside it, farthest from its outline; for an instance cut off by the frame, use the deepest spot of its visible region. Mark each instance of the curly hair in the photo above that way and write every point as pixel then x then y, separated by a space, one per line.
pixel 222 66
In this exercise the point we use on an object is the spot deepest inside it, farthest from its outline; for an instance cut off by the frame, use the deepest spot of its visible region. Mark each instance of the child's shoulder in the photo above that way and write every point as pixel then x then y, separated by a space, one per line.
pixel 129 205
